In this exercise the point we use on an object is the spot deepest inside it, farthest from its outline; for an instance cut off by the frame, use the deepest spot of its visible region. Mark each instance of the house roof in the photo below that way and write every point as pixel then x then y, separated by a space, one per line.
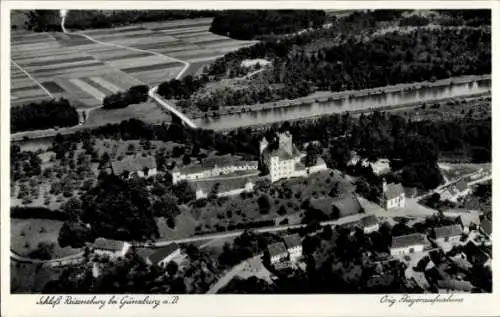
pixel 369 221
pixel 461 185
pixel 245 163
pixel 108 244
pixel 348 205
pixel 448 231
pixel 486 226
pixel 408 240
pixel 133 164
pixel 162 253
pixel 189 169
pixel 276 248
pixel 299 166
pixel 292 241
pixel 468 219
pixel 393 190
pixel 220 161
pixel 224 184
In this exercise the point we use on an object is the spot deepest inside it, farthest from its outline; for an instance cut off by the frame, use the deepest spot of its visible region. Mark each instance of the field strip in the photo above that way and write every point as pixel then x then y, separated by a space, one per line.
pixel 88 88
pixel 179 75
pixel 33 79
pixel 106 84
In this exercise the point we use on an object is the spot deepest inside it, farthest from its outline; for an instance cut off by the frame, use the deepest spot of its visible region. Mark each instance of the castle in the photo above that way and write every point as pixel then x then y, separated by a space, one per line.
pixel 286 161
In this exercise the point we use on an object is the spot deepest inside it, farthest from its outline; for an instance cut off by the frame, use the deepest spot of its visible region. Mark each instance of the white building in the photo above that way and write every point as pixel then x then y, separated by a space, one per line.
pixel 277 253
pixel 213 167
pixel 370 224
pixel 164 255
pixel 408 244
pixel 130 166
pixel 393 196
pixel 111 248
pixel 448 234
pixel 293 244
pixel 285 161
pixel 223 187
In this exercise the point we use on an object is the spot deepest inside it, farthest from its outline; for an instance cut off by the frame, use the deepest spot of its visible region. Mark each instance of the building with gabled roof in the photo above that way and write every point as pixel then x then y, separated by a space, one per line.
pixel 408 244
pixel 162 256
pixel 393 196
pixel 448 234
pixel 293 244
pixel 223 187
pixel 111 248
pixel 369 224
pixel 277 252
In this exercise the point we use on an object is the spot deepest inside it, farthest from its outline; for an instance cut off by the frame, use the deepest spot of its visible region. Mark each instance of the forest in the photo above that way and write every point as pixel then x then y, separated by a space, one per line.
pixel 43 115
pixel 388 59
pixel 50 20
pixel 250 24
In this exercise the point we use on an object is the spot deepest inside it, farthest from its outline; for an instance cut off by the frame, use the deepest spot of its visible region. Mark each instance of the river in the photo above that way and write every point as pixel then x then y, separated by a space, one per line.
pixel 314 109
pixel 322 108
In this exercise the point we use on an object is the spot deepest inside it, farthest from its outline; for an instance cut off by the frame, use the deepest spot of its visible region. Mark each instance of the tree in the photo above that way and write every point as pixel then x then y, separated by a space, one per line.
pixel 282 210
pixel 43 251
pixel 264 204
pixel 186 159
pixel 73 208
pixel 172 268
pixel 74 234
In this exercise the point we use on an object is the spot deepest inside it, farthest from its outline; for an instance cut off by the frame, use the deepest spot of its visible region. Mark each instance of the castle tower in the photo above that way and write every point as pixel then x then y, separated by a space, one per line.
pixel 285 142
pixel 263 145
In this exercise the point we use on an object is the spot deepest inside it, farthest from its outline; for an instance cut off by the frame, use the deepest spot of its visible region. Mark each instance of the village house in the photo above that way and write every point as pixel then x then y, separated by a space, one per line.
pixel 277 253
pixel 485 227
pixel 476 255
pixel 369 224
pixel 214 167
pixel 408 244
pixel 162 256
pixel 222 187
pixel 293 244
pixel 286 161
pixel 138 165
pixel 111 248
pixel 448 234
pixel 468 219
pixel 393 196
pixel 455 191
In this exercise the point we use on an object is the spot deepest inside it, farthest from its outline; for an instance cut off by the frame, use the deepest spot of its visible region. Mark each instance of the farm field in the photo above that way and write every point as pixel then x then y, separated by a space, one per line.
pixel 74 67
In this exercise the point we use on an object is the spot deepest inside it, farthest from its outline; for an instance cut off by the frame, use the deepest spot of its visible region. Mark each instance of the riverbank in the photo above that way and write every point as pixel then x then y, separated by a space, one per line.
pixel 330 96
pixel 395 108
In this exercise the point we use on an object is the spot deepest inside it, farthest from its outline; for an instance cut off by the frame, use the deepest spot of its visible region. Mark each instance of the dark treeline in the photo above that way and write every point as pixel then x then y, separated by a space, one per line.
pixel 43 115
pixel 95 19
pixel 43 20
pixel 388 59
pixel 133 95
pixel 181 89
pixel 23 164
pixel 250 24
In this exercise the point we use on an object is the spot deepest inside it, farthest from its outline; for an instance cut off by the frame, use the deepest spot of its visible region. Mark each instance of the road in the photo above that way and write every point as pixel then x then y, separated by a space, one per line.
pixel 230 275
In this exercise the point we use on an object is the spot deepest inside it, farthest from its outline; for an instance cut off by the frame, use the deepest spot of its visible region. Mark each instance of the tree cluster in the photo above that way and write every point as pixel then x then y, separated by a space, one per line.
pixel 134 95
pixel 43 115
pixel 96 19
pixel 250 24
pixel 180 88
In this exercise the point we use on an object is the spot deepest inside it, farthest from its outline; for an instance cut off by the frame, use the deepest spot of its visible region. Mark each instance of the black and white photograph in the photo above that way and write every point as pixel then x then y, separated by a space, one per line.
pixel 250 151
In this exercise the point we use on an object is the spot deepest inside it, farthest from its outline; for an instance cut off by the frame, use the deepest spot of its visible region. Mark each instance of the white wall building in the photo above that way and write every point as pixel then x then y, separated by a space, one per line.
pixel 293 244
pixel 111 248
pixel 393 196
pixel 448 234
pixel 285 161
pixel 164 255
pixel 225 188
pixel 214 167
pixel 370 224
pixel 408 244
pixel 277 252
